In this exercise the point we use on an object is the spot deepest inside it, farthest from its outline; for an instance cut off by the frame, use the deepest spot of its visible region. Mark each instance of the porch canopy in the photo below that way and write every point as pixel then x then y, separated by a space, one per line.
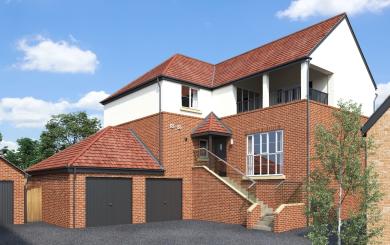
pixel 211 125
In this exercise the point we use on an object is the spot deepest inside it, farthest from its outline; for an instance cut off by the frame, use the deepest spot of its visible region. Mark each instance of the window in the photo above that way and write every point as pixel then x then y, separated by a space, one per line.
pixel 189 97
pixel 247 100
pixel 265 153
pixel 203 144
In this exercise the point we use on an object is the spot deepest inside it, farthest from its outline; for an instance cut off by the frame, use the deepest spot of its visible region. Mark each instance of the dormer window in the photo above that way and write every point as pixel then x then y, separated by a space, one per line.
pixel 189 97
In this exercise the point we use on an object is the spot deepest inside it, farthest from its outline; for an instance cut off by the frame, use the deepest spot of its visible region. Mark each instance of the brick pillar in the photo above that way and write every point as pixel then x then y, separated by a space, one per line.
pixel 139 211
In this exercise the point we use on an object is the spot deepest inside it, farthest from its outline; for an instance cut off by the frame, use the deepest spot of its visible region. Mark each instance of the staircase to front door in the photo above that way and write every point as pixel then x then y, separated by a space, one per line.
pixel 238 181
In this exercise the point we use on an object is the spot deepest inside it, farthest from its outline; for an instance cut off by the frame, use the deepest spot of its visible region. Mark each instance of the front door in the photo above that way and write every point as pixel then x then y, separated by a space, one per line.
pixel 219 149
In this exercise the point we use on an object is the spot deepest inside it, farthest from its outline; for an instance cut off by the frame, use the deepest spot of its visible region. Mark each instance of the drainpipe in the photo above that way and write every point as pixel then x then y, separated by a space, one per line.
pixel 308 131
pixel 159 122
pixel 74 197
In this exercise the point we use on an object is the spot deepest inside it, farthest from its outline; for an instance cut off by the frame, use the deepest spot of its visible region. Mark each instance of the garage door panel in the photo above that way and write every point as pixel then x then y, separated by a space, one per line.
pixel 6 202
pixel 108 201
pixel 163 199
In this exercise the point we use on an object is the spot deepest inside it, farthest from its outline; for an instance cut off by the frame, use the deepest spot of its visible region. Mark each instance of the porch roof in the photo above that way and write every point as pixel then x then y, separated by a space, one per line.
pixel 211 125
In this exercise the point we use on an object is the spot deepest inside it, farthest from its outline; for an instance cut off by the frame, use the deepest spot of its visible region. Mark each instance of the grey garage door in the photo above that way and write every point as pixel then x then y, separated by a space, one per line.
pixel 6 202
pixel 108 201
pixel 163 199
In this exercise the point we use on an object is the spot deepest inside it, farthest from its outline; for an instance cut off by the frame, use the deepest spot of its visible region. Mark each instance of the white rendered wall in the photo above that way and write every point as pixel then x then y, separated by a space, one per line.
pixel 141 103
pixel 350 80
pixel 171 100
pixel 224 101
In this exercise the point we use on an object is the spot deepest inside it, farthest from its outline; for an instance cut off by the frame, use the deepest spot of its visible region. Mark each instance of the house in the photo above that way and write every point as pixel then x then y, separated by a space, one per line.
pixel 12 182
pixel 228 142
pixel 378 129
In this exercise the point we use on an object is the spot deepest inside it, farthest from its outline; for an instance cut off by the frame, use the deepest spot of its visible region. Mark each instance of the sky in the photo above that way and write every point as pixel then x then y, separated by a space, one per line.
pixel 65 56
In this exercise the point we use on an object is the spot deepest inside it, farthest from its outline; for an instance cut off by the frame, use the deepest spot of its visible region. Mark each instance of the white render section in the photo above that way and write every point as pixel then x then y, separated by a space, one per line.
pixel 141 103
pixel 339 54
pixel 171 100
pixel 224 101
pixel 304 79
pixel 265 90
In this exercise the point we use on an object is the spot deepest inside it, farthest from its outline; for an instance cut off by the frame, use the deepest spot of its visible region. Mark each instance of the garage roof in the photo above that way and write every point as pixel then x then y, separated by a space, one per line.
pixel 110 148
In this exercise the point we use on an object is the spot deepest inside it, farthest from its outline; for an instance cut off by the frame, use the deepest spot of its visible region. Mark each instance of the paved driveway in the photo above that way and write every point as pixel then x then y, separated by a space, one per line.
pixel 164 233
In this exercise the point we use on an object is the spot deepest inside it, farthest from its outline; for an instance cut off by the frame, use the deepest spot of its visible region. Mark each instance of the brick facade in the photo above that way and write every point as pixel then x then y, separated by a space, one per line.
pixel 289 217
pixel 10 173
pixel 177 158
pixel 380 158
pixel 215 201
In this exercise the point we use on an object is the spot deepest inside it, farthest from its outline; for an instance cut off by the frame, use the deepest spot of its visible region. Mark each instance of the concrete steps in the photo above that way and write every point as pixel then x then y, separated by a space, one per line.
pixel 267 217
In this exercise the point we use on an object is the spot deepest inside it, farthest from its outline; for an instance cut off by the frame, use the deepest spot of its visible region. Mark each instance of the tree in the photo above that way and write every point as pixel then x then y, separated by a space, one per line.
pixel 342 174
pixel 64 130
pixel 27 153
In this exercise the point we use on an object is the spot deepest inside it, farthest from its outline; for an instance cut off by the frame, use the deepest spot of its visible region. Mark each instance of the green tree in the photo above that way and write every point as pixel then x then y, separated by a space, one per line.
pixel 342 174
pixel 27 153
pixel 64 130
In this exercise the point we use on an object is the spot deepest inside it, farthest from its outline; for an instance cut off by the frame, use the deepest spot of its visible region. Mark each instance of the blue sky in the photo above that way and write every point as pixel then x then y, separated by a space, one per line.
pixel 62 56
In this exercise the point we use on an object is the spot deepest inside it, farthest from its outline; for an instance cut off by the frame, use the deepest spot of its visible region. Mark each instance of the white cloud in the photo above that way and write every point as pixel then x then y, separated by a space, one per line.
pixel 302 9
pixel 29 112
pixel 43 54
pixel 383 93
pixel 9 144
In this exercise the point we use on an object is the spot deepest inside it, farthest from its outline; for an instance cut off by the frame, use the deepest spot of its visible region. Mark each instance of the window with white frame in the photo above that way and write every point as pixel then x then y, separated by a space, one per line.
pixel 203 147
pixel 265 153
pixel 189 97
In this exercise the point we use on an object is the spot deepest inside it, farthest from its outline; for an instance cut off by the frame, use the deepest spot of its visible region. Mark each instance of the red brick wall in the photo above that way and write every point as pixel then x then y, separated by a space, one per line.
pixel 291 118
pixel 289 217
pixel 253 215
pixel 9 173
pixel 56 198
pixel 178 156
pixel 215 201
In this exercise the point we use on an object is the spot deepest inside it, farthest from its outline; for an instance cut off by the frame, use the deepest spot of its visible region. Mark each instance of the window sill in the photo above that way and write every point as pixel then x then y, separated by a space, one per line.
pixel 192 110
pixel 267 177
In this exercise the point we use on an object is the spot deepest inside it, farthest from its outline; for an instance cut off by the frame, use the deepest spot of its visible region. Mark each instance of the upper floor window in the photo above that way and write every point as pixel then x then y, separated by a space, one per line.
pixel 247 100
pixel 265 153
pixel 189 97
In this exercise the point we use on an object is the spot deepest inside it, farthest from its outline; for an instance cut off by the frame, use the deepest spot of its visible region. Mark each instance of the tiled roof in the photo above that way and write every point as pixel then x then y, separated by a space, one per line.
pixel 112 147
pixel 211 125
pixel 293 47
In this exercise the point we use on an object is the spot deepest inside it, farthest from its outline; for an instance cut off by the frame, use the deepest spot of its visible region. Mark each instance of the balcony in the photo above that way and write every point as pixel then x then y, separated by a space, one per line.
pixel 282 86
pixel 287 95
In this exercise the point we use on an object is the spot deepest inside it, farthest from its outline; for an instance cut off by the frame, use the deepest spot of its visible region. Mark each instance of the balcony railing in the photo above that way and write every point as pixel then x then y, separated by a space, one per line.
pixel 287 95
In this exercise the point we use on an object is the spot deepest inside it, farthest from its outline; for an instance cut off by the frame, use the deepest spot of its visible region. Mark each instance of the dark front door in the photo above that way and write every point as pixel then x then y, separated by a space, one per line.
pixel 219 149
pixel 108 201
pixel 6 202
pixel 163 200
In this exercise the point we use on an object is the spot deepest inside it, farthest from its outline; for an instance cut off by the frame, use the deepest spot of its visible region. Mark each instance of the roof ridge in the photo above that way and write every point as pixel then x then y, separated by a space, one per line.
pixel 301 30
pixel 197 59
pixel 170 60
pixel 213 76
pixel 220 121
pixel 98 135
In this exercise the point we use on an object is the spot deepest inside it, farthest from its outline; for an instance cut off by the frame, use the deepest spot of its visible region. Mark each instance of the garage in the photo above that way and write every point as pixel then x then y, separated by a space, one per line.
pixel 163 199
pixel 6 202
pixel 108 201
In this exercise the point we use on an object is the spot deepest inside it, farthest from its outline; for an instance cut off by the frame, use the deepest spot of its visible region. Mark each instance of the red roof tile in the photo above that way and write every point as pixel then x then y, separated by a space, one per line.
pixel 211 125
pixel 284 50
pixel 112 147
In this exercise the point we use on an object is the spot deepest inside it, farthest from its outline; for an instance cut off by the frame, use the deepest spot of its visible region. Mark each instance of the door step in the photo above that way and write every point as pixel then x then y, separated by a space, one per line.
pixel 266 223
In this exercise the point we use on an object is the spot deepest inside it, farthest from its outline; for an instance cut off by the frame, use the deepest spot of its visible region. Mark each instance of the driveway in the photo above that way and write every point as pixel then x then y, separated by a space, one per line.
pixel 171 233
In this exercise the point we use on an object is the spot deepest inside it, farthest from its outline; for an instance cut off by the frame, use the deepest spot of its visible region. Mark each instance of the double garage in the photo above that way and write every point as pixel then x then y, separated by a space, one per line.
pixel 109 200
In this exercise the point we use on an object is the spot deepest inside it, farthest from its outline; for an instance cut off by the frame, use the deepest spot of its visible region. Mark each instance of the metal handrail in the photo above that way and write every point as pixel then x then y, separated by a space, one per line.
pixel 228 164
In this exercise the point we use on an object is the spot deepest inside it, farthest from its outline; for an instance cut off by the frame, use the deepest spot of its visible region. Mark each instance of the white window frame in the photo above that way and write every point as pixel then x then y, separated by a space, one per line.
pixel 250 164
pixel 190 102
